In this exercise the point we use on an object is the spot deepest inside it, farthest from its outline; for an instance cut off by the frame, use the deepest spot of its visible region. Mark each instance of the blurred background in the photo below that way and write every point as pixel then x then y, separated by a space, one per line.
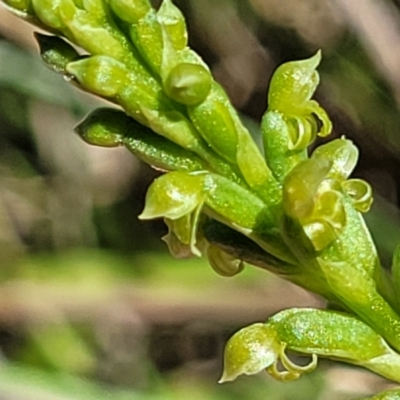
pixel 92 306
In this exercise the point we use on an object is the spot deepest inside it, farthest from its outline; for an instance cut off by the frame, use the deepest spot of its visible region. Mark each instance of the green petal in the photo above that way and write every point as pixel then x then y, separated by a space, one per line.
pixel 343 155
pixel 249 351
pixel 293 84
pixel 173 195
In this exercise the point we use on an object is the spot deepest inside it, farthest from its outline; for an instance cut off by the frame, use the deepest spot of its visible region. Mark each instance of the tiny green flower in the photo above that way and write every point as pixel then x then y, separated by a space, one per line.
pixel 307 331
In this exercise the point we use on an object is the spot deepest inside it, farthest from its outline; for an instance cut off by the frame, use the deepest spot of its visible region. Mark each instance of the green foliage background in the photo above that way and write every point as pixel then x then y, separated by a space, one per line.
pixel 91 304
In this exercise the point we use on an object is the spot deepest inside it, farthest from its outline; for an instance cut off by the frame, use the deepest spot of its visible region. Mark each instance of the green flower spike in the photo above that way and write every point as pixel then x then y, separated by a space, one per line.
pixel 309 332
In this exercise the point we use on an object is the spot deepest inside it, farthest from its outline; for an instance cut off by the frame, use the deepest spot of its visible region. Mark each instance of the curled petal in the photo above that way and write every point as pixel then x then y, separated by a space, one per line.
pixel 323 118
pixel 360 193
pixel 223 263
pixel 302 132
pixel 292 371
pixel 343 155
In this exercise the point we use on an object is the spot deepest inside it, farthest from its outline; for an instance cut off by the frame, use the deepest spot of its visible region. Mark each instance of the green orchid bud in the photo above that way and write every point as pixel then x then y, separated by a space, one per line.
pixel 147 36
pixel 100 74
pixel 360 193
pixel 104 127
pixel 223 263
pixel 173 22
pixel 213 119
pixel 130 11
pixel 110 127
pixel 343 155
pixel 174 195
pixel 56 52
pixel 188 83
pixel 53 13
